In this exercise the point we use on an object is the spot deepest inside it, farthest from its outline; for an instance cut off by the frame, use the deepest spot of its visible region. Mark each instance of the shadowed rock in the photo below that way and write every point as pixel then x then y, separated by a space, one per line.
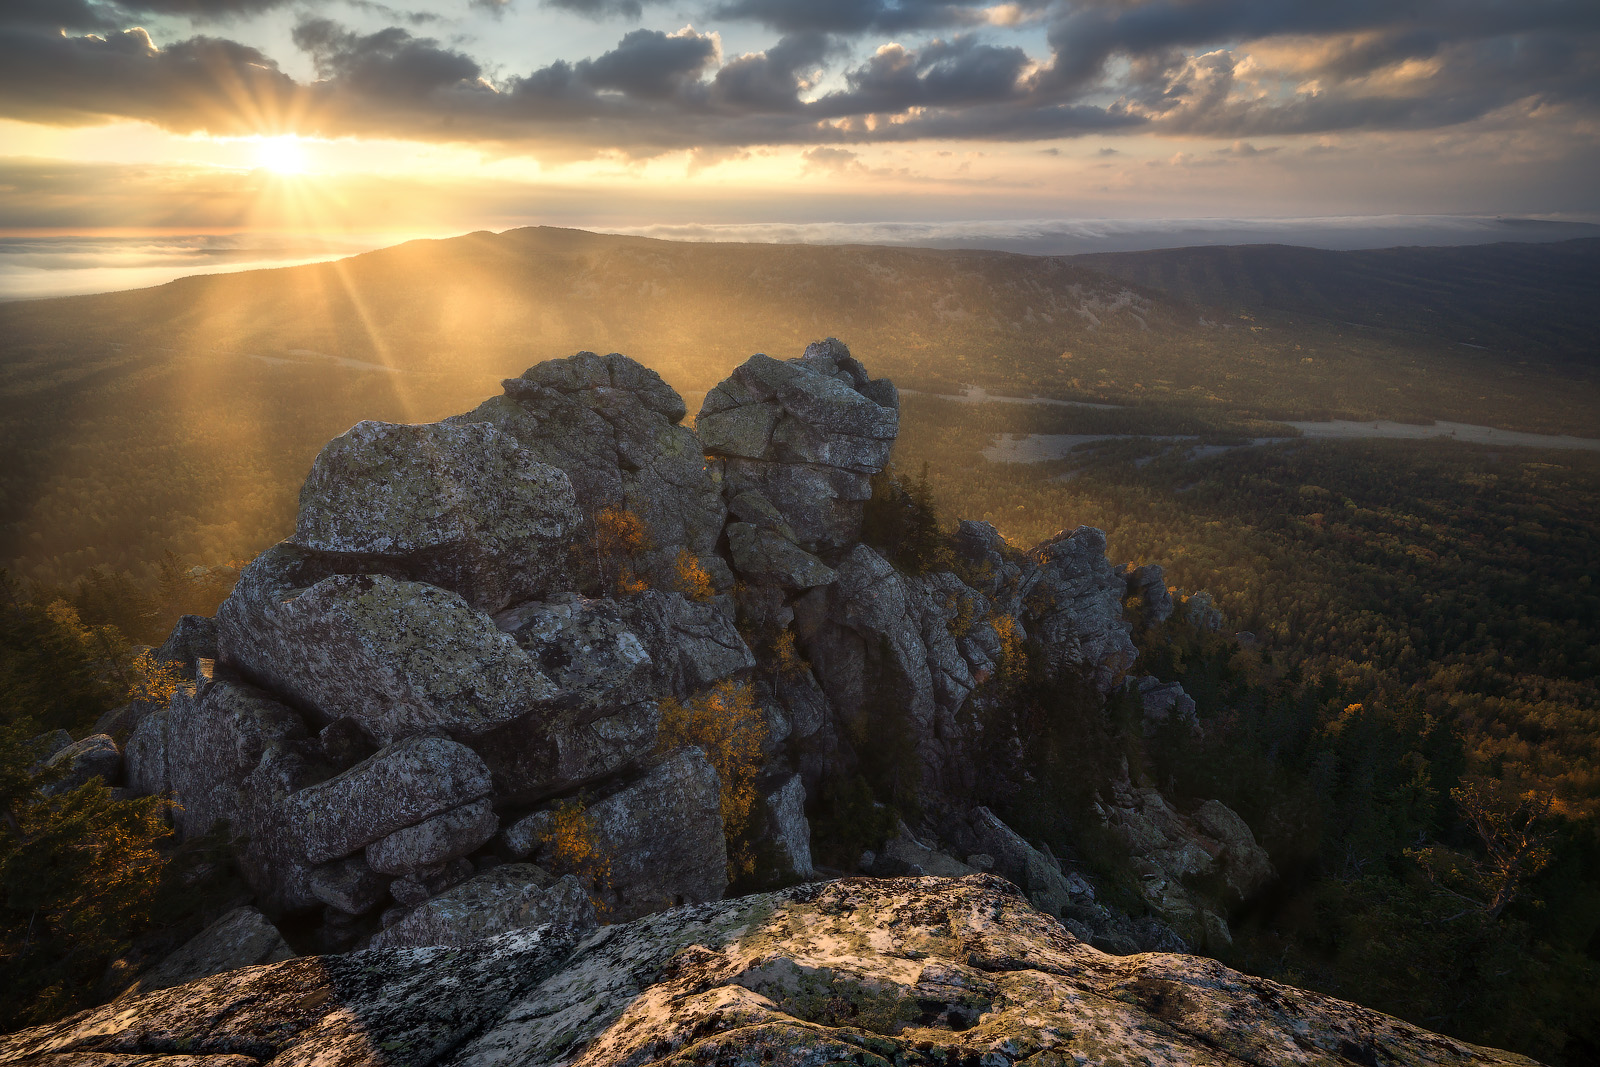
pixel 513 896
pixel 662 838
pixel 96 756
pixel 806 435
pixel 1073 606
pixel 401 786
pixel 241 938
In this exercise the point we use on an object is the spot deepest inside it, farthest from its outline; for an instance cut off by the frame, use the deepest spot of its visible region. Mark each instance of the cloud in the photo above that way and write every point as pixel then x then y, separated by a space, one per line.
pixel 652 65
pixel 115 14
pixel 599 9
pixel 1224 70
pixel 391 63
pixel 773 80
pixel 861 16
pixel 832 161
pixel 203 83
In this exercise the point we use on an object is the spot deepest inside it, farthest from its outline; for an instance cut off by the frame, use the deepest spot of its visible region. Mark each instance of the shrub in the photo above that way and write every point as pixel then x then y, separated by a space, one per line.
pixel 727 724
pixel 692 579
pixel 620 538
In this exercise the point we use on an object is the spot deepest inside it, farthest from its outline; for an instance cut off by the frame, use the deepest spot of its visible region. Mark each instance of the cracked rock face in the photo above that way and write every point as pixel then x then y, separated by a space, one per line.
pixel 613 426
pixel 398 657
pixel 913 972
pixel 463 507
pixel 1072 604
pixel 806 434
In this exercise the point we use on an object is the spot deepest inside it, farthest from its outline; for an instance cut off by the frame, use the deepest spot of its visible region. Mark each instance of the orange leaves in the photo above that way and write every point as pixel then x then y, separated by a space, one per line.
pixel 726 723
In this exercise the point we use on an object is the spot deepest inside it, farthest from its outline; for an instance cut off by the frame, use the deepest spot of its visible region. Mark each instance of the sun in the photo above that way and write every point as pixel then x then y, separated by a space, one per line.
pixel 281 155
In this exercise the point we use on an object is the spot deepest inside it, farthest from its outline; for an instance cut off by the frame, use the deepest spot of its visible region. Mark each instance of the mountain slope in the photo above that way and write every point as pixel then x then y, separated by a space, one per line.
pixel 1519 298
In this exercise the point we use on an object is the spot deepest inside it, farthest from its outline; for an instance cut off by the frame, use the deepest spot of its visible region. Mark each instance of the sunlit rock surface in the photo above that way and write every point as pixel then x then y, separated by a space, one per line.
pixel 463 507
pixel 903 971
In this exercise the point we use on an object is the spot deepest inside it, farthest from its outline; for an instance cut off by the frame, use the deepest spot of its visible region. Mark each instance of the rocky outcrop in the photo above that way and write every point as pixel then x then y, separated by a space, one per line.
pixel 444 667
pixel 614 427
pixel 1073 607
pixel 916 972
pixel 1169 848
pixel 807 435
pixel 1149 585
pixel 1163 703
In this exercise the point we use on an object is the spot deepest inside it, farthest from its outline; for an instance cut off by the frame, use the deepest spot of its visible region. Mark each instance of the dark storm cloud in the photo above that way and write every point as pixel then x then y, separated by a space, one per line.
pixel 390 63
pixel 861 16
pixel 942 74
pixel 1088 33
pixel 1225 69
pixel 772 80
pixel 204 83
pixel 118 14
pixel 651 64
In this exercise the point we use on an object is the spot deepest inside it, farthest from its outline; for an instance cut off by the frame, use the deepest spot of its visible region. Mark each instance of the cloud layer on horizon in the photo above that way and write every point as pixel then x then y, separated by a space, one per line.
pixel 835 75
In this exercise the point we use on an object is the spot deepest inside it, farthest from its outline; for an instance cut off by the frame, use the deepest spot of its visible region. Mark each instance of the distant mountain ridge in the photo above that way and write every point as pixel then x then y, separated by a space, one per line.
pixel 1513 296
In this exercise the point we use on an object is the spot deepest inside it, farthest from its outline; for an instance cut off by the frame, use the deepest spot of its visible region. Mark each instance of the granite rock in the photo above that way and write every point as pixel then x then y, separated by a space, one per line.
pixel 920 972
pixel 460 506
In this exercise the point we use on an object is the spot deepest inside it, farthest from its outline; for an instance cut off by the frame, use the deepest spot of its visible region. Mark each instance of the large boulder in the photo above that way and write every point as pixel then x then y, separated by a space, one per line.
pixel 439 839
pixel 1072 600
pixel 96 756
pixel 693 644
pixel 614 427
pixel 541 756
pixel 585 647
pixel 397 657
pixel 193 639
pixel 216 736
pixel 660 839
pixel 241 938
pixel 916 972
pixel 790 831
pixel 460 506
pixel 400 786
pixel 145 755
pixel 512 896
pixel 1245 864
pixel 807 435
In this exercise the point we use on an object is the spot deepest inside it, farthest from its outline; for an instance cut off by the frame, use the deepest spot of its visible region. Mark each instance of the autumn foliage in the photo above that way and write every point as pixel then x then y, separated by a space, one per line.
pixel 727 724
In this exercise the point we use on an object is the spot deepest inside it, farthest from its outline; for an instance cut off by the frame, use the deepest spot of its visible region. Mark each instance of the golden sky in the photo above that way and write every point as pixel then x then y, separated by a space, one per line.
pixel 218 116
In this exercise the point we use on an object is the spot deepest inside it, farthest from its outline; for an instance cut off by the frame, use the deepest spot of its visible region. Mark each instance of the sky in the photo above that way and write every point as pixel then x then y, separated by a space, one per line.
pixel 361 121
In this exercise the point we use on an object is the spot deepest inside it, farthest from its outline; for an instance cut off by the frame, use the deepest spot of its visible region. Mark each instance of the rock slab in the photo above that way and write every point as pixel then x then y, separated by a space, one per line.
pixel 919 972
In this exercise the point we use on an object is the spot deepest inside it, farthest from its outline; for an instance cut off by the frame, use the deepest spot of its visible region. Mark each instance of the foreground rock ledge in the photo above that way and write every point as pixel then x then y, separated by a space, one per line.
pixel 905 971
